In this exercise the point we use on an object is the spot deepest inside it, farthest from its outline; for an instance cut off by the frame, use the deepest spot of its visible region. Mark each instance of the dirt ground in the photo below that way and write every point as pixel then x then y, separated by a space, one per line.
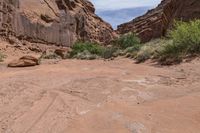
pixel 73 96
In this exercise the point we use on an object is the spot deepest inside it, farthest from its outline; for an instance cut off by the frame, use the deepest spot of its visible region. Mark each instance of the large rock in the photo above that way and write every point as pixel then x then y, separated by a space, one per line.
pixel 156 22
pixel 59 22
pixel 25 61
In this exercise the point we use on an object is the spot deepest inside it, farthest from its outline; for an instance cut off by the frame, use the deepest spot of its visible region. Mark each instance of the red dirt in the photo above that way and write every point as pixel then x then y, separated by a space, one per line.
pixel 73 96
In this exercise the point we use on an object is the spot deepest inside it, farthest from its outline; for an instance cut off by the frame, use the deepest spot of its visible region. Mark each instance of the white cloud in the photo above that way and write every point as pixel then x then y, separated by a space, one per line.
pixel 119 4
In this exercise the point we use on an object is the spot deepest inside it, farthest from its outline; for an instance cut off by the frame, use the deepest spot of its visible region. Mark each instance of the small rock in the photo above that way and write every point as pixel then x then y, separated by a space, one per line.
pixel 112 58
pixel 15 42
pixel 62 52
pixel 35 49
pixel 128 55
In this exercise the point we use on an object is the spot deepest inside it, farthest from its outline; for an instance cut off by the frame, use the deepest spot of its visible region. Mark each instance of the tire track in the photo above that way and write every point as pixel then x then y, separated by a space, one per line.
pixel 43 113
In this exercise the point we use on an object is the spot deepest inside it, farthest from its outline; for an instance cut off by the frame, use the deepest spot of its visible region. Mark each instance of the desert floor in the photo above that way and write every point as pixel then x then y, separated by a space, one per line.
pixel 119 96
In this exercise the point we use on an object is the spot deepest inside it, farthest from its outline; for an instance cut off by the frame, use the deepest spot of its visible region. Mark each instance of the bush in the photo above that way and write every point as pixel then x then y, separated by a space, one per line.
pixel 186 41
pixel 128 40
pixel 109 52
pixel 86 55
pixel 144 54
pixel 170 52
pixel 125 44
pixel 186 36
pixel 51 56
pixel 1 57
pixel 151 50
pixel 92 48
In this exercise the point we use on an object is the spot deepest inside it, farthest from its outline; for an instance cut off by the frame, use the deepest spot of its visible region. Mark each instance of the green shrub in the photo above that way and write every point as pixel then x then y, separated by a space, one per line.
pixel 109 52
pixel 169 51
pixel 144 54
pixel 131 49
pixel 151 50
pixel 92 48
pixel 186 37
pixel 86 55
pixel 128 40
pixel 2 57
pixel 186 41
pixel 51 56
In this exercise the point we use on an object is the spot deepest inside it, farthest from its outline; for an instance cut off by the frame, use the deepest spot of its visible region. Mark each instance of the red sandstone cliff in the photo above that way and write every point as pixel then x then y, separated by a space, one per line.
pixel 155 22
pixel 59 22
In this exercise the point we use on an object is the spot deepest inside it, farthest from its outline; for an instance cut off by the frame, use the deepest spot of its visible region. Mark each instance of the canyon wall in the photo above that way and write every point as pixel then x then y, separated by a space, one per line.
pixel 59 22
pixel 156 22
pixel 62 22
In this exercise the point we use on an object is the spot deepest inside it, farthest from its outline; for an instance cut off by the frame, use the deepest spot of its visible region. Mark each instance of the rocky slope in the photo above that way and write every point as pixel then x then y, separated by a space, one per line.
pixel 59 22
pixel 156 22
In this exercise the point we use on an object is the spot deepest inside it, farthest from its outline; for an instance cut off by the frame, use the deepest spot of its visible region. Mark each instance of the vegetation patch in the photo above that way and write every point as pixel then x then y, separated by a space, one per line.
pixel 128 40
pixel 109 52
pixel 151 50
pixel 2 56
pixel 182 41
pixel 80 49
pixel 185 42
pixel 126 44
pixel 51 56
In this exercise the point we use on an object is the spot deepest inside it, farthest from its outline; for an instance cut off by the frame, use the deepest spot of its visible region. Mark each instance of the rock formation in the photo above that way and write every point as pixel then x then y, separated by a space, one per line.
pixel 155 22
pixel 59 22
pixel 25 61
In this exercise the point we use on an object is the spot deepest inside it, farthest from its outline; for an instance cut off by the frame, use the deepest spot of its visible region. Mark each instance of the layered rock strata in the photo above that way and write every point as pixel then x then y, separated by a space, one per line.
pixel 156 22
pixel 59 22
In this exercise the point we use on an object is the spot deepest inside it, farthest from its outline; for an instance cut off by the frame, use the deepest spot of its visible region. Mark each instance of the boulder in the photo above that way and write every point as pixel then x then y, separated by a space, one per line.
pixel 25 61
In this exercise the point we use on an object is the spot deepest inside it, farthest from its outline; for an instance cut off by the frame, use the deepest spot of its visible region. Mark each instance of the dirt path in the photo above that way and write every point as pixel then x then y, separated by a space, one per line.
pixel 100 97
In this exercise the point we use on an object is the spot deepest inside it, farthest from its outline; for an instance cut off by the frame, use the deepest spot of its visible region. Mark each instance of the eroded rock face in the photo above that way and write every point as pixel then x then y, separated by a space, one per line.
pixel 155 22
pixel 58 22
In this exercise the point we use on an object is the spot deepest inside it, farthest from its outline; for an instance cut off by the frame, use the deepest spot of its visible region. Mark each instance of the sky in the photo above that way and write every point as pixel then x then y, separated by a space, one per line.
pixel 117 12
pixel 120 4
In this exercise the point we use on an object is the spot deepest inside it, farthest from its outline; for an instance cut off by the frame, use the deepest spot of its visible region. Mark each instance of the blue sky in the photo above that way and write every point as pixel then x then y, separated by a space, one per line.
pixel 120 4
pixel 117 12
